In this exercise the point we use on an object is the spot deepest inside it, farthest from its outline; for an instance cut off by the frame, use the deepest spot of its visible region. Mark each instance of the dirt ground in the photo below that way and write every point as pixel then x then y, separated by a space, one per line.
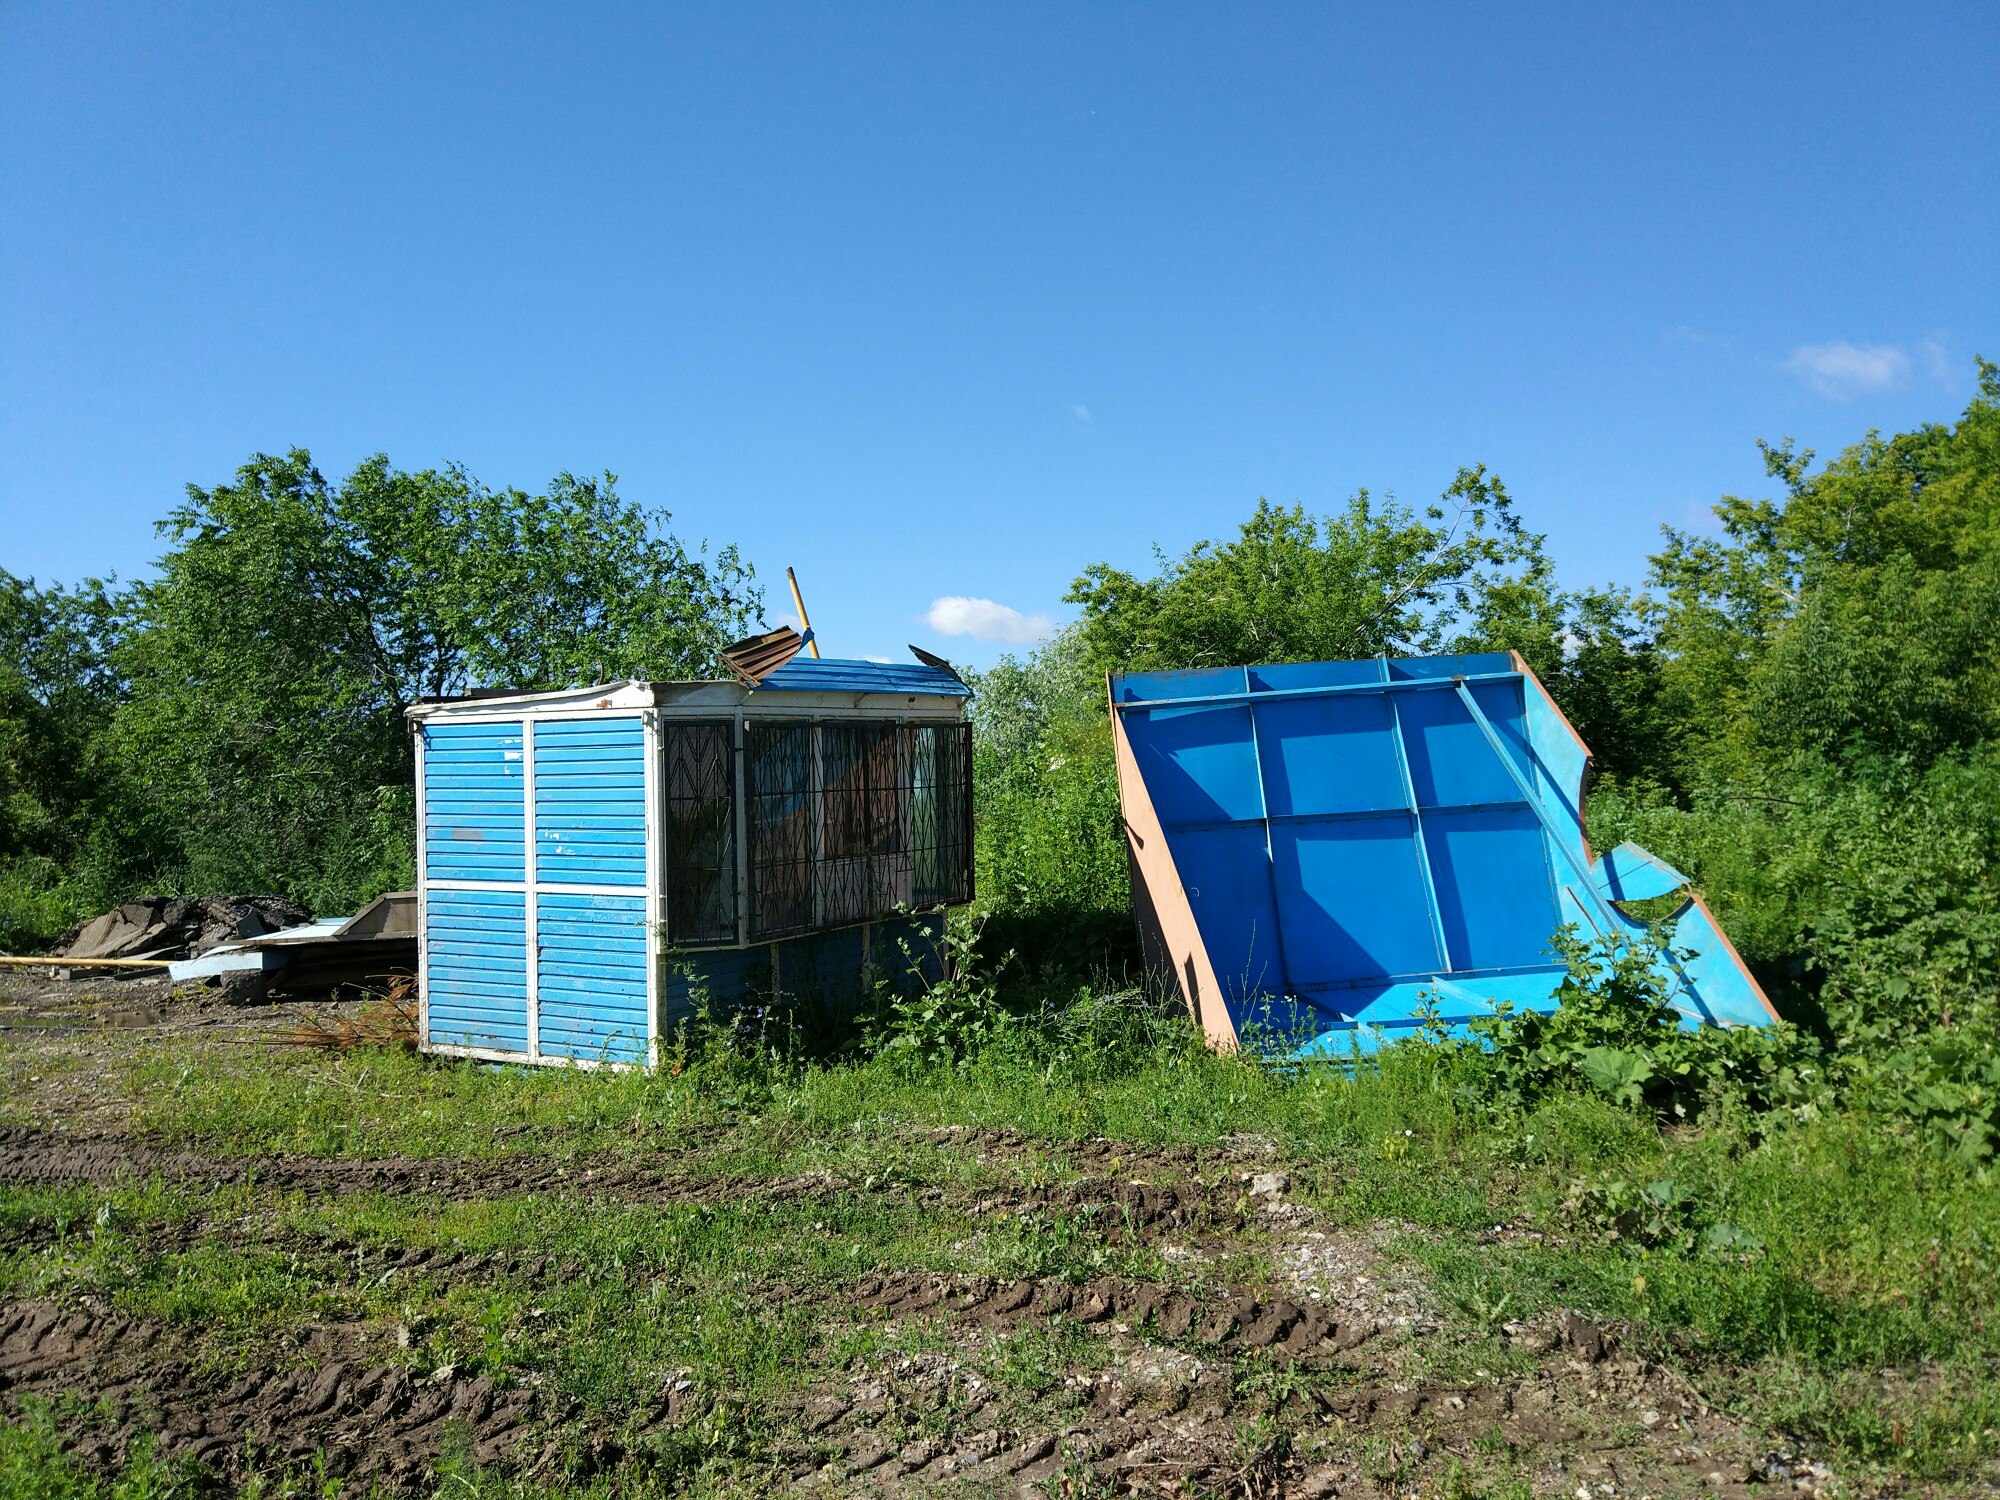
pixel 1268 1352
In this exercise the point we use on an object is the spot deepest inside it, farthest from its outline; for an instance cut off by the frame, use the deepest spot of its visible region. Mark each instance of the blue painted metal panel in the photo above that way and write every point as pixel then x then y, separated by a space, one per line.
pixel 1351 896
pixel 1717 987
pixel 1472 664
pixel 1629 873
pixel 836 969
pixel 1493 923
pixel 1559 768
pixel 1201 765
pixel 806 674
pixel 1449 759
pixel 1422 844
pixel 476 969
pixel 1197 682
pixel 1232 901
pixel 474 806
pixel 1329 755
pixel 590 974
pixel 1312 674
pixel 590 801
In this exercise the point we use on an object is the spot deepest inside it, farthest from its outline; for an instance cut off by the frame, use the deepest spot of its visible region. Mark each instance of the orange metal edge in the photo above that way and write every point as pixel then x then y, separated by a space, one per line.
pixel 1159 896
pixel 1735 957
pixel 1583 786
pixel 1583 780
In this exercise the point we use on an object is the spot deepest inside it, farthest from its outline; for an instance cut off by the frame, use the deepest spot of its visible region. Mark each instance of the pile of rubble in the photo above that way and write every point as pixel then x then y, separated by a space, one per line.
pixel 179 927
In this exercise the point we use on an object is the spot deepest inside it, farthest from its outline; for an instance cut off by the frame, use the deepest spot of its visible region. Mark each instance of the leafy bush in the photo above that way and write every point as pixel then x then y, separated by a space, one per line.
pixel 1944 1087
pixel 1615 1032
pixel 927 1018
pixel 1665 1214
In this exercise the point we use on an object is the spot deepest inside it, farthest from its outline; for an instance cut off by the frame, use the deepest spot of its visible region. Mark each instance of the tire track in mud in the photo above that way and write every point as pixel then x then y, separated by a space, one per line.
pixel 1230 1323
pixel 381 1424
pixel 44 1159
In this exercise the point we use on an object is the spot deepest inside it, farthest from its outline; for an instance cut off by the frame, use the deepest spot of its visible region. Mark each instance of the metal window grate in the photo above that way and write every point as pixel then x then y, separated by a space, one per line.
pixel 849 821
pixel 699 793
pixel 864 865
pixel 781 786
pixel 941 814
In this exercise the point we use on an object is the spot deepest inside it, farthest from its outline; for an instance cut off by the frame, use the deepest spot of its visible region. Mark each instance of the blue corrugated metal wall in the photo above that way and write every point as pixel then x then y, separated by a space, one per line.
pixel 591 975
pixel 476 969
pixel 590 830
pixel 591 951
pixel 473 808
pixel 475 941
pixel 590 802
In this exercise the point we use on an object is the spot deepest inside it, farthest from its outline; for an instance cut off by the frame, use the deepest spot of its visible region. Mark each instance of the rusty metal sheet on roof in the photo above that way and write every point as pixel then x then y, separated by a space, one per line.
pixel 753 659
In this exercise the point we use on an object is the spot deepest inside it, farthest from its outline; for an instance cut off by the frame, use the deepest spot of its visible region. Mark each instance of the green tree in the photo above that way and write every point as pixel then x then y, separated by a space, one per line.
pixel 1293 587
pixel 294 619
pixel 61 806
pixel 1849 622
pixel 57 689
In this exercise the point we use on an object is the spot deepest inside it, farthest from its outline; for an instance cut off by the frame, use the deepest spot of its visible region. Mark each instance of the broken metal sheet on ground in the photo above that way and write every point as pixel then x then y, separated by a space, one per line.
pixel 375 943
pixel 177 927
pixel 1345 852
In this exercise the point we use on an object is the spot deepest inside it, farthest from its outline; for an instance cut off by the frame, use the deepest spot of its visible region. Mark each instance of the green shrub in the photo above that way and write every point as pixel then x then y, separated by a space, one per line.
pixel 1614 1032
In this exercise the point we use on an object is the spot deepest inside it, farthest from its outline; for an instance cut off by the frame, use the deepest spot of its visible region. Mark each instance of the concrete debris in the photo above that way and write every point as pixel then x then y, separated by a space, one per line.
pixel 179 927
pixel 367 950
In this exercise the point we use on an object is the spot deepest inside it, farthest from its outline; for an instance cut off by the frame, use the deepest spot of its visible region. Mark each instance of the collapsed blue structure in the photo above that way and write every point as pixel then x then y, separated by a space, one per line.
pixel 1346 850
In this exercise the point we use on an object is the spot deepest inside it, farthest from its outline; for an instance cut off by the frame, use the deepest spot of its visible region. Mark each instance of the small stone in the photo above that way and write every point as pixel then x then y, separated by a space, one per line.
pixel 1270 1185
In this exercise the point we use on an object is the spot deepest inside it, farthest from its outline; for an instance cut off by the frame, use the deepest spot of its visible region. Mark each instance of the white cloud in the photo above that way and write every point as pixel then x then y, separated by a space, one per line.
pixel 1080 412
pixel 984 620
pixel 1841 370
pixel 1938 360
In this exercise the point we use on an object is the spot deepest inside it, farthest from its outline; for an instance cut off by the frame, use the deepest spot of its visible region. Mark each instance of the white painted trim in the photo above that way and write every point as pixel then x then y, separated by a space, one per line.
pixel 423 903
pixel 656 900
pixel 478 1054
pixel 832 705
pixel 591 1064
pixel 522 1060
pixel 608 695
pixel 557 888
pixel 529 916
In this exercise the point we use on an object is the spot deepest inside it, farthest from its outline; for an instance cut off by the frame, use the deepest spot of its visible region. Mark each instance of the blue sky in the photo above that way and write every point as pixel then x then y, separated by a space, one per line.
pixel 946 302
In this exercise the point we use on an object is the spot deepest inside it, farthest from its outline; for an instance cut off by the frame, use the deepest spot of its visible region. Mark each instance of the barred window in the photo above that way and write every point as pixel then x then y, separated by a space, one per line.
pixel 699 794
pixel 941 814
pixel 780 781
pixel 849 821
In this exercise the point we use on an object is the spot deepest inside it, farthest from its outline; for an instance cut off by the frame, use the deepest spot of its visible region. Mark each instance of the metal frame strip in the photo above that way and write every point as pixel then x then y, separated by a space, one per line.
pixel 1267 695
pixel 528 910
pixel 423 905
pixel 657 933
pixel 1270 856
pixel 1432 904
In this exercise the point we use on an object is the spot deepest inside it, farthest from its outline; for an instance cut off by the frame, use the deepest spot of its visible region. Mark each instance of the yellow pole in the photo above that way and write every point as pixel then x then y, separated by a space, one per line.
pixel 799 603
pixel 56 961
